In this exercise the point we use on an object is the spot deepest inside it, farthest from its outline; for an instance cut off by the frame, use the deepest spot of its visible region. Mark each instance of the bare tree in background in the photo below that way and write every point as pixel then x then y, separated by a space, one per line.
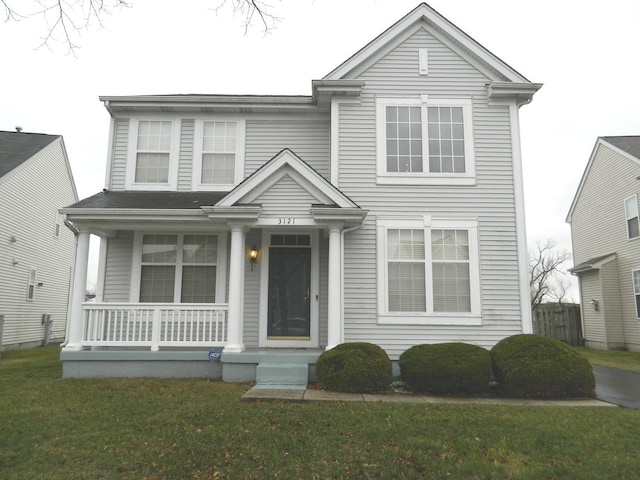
pixel 67 19
pixel 546 272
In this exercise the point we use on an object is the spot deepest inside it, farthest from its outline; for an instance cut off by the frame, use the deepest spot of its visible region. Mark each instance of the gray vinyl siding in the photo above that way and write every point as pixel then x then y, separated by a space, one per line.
pixel 117 280
pixel 185 162
pixel 490 201
pixel 30 196
pixel 611 302
pixel 598 227
pixel 308 137
pixel 252 292
pixel 593 321
pixel 285 196
pixel 119 160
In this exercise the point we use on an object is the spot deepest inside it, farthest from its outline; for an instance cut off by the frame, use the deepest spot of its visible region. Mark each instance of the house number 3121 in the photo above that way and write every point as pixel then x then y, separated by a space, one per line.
pixel 286 221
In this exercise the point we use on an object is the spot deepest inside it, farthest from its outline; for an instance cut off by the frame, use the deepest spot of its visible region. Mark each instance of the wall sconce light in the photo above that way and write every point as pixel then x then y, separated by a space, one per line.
pixel 594 304
pixel 13 239
pixel 14 262
pixel 40 284
pixel 253 255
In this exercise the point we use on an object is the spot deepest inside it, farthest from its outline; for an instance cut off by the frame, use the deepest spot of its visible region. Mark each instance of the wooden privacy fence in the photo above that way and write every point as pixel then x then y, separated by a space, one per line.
pixel 561 321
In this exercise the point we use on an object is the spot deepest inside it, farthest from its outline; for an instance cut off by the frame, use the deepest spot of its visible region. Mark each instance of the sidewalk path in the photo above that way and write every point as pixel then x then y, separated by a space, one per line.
pixel 620 387
pixel 322 395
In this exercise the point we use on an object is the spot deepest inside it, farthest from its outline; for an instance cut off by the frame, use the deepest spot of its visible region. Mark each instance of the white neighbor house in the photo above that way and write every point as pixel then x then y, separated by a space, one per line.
pixel 36 250
pixel 387 207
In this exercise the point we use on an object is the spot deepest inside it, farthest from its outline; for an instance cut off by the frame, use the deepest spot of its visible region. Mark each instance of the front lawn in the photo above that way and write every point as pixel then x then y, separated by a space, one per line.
pixel 54 428
pixel 612 358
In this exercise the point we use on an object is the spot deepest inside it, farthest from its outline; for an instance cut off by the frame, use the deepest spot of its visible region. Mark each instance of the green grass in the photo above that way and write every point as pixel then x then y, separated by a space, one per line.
pixel 54 428
pixel 612 358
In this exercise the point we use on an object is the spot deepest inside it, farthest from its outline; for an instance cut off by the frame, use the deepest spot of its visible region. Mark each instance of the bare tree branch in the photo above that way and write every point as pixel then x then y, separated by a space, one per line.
pixel 249 9
pixel 545 266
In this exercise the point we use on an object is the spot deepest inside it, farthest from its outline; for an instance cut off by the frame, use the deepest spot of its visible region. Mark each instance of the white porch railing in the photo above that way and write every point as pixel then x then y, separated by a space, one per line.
pixel 155 325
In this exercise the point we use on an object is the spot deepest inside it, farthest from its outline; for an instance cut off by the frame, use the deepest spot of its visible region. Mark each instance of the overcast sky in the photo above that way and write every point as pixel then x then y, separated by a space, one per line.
pixel 585 53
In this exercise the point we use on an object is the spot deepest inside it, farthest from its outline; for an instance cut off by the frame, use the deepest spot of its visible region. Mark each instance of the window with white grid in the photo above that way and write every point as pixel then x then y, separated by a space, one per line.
pixel 636 290
pixel 425 140
pixel 406 270
pixel 428 271
pixel 218 152
pixel 178 268
pixel 153 151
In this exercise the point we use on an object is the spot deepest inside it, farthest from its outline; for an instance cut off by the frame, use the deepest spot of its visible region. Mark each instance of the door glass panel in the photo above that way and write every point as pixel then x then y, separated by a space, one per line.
pixel 289 293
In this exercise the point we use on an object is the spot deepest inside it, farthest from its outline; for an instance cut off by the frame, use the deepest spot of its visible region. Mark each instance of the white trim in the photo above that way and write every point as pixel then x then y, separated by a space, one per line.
pixel 425 177
pixel 428 223
pixel 423 61
pixel 314 306
pixel 196 177
pixel 132 151
pixel 521 225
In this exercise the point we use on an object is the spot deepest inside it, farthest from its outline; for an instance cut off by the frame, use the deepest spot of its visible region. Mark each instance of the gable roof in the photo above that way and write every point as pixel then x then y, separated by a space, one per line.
pixel 450 34
pixel 16 148
pixel 626 146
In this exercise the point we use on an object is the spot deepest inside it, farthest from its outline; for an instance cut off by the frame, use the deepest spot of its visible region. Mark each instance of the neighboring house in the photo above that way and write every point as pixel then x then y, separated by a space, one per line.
pixel 387 207
pixel 606 244
pixel 36 249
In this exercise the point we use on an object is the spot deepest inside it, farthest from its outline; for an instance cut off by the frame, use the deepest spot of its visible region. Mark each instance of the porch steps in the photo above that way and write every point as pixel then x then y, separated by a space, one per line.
pixel 292 376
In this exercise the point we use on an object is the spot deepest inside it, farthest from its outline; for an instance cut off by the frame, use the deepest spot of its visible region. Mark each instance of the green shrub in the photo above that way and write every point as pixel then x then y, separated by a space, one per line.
pixel 533 366
pixel 355 367
pixel 446 368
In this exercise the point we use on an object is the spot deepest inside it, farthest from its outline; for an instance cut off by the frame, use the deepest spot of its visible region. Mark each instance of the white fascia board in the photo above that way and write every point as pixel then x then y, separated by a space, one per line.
pixel 508 91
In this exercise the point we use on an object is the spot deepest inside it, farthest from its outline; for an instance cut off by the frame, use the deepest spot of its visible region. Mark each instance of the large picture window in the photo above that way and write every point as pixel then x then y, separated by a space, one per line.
pixel 428 271
pixel 425 141
pixel 179 268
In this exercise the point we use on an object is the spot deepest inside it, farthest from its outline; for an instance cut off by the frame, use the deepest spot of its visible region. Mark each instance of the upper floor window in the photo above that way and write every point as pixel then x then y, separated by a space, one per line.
pixel 428 271
pixel 425 141
pixel 218 154
pixel 631 213
pixel 153 148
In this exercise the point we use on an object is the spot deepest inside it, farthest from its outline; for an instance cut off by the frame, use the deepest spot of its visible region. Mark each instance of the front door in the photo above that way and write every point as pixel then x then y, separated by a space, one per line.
pixel 289 315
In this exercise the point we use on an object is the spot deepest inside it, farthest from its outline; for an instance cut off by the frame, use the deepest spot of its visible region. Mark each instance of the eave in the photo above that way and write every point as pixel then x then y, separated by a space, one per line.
pixel 507 91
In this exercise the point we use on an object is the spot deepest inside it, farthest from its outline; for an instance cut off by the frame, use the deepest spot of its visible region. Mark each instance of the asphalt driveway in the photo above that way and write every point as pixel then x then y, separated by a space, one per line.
pixel 620 387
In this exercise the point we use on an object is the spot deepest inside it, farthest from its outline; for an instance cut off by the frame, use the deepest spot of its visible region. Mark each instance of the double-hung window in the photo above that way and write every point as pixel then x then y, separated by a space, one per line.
pixel 631 214
pixel 218 154
pixel 636 290
pixel 423 140
pixel 31 285
pixel 153 151
pixel 428 271
pixel 180 268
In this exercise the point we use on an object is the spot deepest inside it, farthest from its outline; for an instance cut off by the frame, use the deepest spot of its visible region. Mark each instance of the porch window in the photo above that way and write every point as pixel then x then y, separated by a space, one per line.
pixel 425 141
pixel 178 268
pixel 428 272
pixel 631 213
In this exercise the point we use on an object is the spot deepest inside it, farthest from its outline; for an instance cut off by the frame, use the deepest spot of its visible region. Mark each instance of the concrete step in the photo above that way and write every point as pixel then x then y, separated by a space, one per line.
pixel 282 375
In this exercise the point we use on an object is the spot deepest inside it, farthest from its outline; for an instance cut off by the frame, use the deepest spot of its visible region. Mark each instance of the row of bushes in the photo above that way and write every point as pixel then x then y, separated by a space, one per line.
pixel 528 366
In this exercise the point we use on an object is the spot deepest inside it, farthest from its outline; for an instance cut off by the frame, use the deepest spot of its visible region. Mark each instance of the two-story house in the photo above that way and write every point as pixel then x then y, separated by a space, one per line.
pixel 36 249
pixel 386 207
pixel 605 234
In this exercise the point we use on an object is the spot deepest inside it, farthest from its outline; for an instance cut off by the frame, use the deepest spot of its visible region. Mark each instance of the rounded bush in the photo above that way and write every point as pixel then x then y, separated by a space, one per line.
pixel 355 367
pixel 533 366
pixel 446 368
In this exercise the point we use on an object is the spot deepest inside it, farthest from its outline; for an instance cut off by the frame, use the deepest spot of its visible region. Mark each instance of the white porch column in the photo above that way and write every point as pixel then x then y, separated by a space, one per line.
pixel 78 289
pixel 236 275
pixel 335 333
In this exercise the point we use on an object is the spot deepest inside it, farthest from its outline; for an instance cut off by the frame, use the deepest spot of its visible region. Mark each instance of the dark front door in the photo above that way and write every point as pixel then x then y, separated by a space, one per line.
pixel 289 292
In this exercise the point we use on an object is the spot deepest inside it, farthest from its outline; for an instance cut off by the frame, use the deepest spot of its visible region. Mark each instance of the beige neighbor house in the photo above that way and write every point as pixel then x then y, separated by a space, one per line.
pixel 36 249
pixel 606 244
pixel 386 207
